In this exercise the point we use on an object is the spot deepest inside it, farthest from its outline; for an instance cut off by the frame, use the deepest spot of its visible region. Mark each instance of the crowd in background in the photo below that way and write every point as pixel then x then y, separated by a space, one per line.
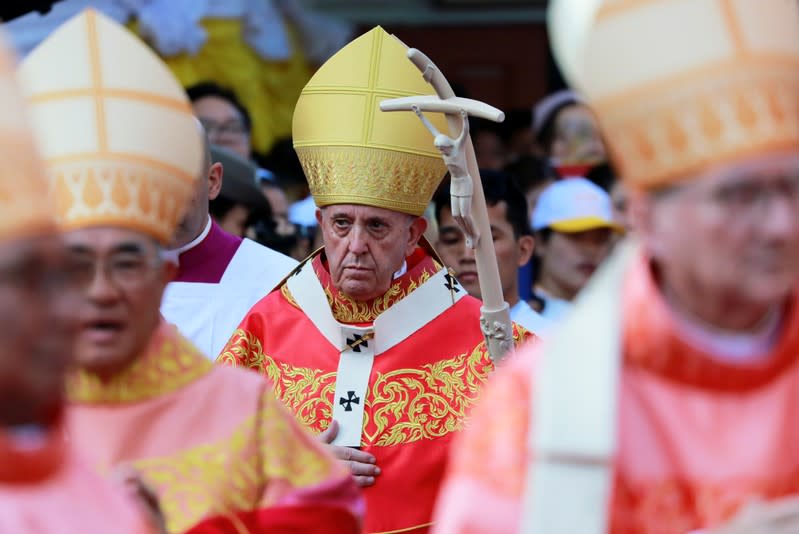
pixel 243 64
pixel 568 206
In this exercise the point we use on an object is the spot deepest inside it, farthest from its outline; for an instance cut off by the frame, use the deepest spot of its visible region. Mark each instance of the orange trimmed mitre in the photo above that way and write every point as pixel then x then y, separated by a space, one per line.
pixel 682 85
pixel 115 128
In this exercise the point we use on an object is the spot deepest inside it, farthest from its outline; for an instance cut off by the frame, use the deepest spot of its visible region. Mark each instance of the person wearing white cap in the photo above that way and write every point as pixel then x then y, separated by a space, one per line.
pixel 574 226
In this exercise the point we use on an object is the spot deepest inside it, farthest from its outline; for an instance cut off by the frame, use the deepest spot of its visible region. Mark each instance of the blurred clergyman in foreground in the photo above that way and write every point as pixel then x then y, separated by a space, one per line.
pixel 45 487
pixel 214 444
pixel 667 400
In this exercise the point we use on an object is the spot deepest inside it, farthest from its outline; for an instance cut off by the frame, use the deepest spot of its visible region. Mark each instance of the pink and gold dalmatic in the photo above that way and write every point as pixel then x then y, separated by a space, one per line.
pixel 114 126
pixel 681 85
pixel 213 443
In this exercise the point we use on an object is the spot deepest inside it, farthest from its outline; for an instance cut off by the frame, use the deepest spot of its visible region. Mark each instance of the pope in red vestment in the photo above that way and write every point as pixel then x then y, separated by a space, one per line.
pixel 668 401
pixel 371 331
pixel 418 392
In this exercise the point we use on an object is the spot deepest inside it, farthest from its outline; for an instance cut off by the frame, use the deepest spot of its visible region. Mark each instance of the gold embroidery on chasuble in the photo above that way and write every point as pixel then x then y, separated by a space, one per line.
pixel 349 311
pixel 308 393
pixel 171 362
pixel 402 406
pixel 233 474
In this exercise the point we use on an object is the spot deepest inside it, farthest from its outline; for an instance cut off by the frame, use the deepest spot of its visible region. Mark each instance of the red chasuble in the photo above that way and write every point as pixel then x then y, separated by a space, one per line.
pixel 418 391
pixel 213 443
pixel 697 437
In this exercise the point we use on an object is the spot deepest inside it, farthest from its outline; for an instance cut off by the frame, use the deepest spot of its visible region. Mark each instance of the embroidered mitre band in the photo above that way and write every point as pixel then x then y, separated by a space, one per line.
pixel 351 152
pixel 682 85
pixel 115 128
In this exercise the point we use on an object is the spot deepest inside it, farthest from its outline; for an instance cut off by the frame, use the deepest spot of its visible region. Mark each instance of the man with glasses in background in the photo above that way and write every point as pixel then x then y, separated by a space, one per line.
pixel 226 121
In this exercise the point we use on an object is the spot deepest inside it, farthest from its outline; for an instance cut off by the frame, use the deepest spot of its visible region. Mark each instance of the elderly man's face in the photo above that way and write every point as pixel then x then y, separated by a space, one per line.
pixel 733 232
pixel 36 329
pixel 365 246
pixel 122 279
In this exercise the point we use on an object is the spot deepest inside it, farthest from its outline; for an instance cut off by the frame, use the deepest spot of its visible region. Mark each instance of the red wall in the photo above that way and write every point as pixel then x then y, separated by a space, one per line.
pixel 505 66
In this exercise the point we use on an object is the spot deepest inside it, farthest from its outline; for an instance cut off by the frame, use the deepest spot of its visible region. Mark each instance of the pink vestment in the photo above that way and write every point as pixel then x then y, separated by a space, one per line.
pixel 212 442
pixel 45 489
pixel 697 437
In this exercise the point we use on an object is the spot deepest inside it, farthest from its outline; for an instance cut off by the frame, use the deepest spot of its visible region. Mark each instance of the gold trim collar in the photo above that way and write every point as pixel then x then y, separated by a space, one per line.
pixel 169 363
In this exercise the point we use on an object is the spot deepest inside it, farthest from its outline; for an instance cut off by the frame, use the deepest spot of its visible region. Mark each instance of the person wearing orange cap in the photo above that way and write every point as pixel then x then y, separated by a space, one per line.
pixel 667 400
pixel 371 342
pixel 213 444
pixel 44 486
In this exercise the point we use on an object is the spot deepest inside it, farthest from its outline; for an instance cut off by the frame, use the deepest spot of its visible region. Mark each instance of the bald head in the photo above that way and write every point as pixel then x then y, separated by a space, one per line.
pixel 207 188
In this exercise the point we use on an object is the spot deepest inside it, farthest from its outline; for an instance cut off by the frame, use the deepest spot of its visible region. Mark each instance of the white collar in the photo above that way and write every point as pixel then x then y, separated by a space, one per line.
pixel 194 242
pixel 402 270
pixel 732 347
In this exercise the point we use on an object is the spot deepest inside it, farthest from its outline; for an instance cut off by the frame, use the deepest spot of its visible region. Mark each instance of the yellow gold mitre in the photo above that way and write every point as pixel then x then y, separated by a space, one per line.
pixel 351 152
pixel 683 85
pixel 115 128
pixel 24 207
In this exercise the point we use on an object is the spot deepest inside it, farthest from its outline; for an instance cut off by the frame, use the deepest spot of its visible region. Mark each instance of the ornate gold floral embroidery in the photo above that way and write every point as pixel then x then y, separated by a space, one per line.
pixel 234 474
pixel 170 363
pixel 350 311
pixel 409 405
pixel 403 406
pixel 284 290
pixel 297 387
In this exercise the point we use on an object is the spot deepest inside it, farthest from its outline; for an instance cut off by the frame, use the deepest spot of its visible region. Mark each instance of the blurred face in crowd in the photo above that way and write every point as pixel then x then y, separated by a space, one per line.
pixel 366 245
pixel 293 243
pixel 569 259
pixel 728 240
pixel 224 124
pixel 236 221
pixel 577 140
pixel 122 278
pixel 490 150
pixel 280 208
pixel 36 329
pixel 511 251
